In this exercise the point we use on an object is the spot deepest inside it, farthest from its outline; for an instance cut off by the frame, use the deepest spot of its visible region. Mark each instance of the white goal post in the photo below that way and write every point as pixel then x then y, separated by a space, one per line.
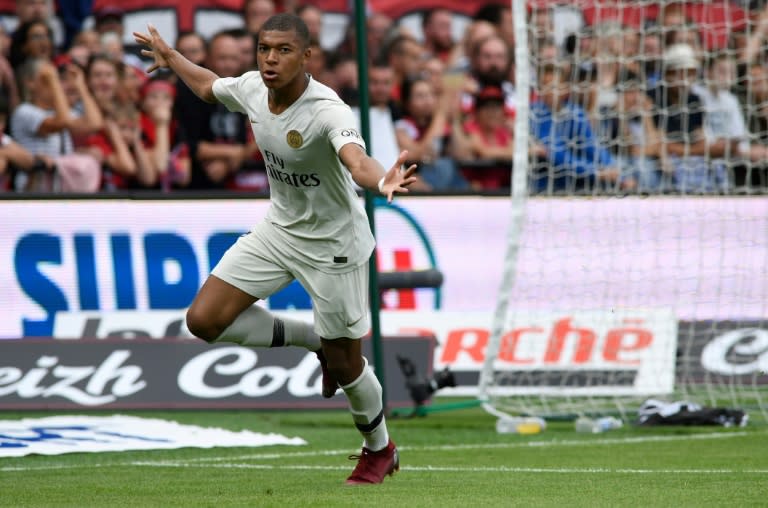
pixel 636 263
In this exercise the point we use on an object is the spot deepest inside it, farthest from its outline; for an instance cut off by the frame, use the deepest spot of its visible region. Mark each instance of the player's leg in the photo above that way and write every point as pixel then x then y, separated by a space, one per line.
pixel 222 312
pixel 223 309
pixel 361 386
pixel 341 318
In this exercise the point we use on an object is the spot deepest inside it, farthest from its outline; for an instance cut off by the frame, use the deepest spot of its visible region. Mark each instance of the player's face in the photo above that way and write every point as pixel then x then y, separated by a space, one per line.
pixel 281 57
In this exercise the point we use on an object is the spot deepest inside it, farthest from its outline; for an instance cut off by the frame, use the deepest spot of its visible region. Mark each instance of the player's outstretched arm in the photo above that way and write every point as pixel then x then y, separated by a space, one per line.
pixel 198 79
pixel 368 173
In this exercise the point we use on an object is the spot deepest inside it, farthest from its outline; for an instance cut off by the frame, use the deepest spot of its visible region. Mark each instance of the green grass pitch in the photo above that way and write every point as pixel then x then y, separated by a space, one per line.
pixel 448 459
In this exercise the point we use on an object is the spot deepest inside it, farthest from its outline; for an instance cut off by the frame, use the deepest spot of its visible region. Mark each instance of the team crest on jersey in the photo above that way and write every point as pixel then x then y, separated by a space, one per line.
pixel 294 139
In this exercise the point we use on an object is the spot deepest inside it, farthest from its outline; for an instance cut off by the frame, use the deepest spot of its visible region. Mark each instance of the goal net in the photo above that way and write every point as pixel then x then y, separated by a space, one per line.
pixel 637 258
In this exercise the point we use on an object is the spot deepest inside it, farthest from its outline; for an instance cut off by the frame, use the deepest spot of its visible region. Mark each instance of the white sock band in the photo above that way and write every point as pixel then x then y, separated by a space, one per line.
pixel 365 404
pixel 257 327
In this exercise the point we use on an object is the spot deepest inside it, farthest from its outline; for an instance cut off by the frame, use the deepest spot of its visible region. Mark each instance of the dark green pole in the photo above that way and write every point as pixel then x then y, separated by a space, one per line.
pixel 373 269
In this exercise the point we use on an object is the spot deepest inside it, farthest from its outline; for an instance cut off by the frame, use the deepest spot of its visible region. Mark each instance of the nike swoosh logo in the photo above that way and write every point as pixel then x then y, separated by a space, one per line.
pixel 253 121
pixel 353 323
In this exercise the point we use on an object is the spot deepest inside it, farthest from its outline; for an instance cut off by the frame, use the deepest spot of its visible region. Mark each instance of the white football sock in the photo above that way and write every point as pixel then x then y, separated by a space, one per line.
pixel 257 327
pixel 365 404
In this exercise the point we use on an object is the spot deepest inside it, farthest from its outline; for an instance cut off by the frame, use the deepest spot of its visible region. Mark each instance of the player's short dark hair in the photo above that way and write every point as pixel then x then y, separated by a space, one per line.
pixel 287 22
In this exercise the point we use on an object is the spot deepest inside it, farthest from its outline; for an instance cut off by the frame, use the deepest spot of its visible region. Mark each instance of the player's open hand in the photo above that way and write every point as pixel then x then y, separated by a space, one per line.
pixel 398 178
pixel 159 50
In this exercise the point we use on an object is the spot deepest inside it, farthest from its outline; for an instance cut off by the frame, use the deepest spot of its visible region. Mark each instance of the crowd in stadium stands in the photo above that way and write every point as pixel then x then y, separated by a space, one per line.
pixel 614 108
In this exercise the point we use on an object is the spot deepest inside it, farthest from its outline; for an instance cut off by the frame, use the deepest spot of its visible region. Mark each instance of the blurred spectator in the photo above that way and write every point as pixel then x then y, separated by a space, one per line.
pixel 379 28
pixel 69 83
pixel 610 46
pixel 33 10
pixel 90 39
pixel 434 70
pixel 342 76
pixel 170 157
pixel 500 16
pixel 13 156
pixel 488 133
pixel 33 39
pixel 246 43
pixel 8 86
pixel 637 141
pixel 45 123
pixel 490 65
pixel 475 32
pixel 78 54
pixel 679 115
pixel 112 46
pixel 103 76
pixel 687 34
pixel 120 149
pixel 313 18
pixel 579 48
pixel 256 12
pixel 602 117
pixel 217 138
pixel 541 23
pixel 725 120
pixel 438 38
pixel 129 84
pixel 755 101
pixel 405 55
pixel 317 64
pixel 193 46
pixel 649 58
pixel 109 19
pixel 722 111
pixel 548 53
pixel 489 140
pixel 5 40
pixel 671 15
pixel 756 44
pixel 574 161
pixel 425 131
pixel 383 142
pixel 40 10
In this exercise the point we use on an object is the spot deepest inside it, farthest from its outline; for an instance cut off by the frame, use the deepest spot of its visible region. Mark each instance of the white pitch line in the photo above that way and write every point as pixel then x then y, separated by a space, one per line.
pixel 587 441
pixel 210 461
pixel 458 469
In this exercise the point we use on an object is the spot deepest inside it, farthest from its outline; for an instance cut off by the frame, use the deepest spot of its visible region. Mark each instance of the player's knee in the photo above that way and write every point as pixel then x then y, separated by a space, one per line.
pixel 201 326
pixel 343 370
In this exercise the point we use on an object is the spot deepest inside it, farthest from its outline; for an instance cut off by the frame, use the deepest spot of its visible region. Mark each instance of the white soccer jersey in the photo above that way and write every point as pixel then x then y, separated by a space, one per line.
pixel 314 205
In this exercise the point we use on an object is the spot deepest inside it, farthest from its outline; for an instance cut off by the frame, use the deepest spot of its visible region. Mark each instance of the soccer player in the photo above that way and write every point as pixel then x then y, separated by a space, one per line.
pixel 315 231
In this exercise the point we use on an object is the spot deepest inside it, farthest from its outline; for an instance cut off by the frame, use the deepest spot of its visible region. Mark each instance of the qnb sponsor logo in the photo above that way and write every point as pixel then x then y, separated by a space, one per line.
pixel 228 371
pixel 351 133
pixel 103 384
pixel 737 352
